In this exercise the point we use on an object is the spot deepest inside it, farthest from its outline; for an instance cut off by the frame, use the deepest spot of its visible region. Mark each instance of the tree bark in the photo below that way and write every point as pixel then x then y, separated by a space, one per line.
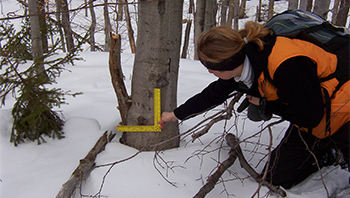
pixel 321 8
pixel 85 167
pixel 210 14
pixel 117 77
pixel 156 66
pixel 343 13
pixel 293 4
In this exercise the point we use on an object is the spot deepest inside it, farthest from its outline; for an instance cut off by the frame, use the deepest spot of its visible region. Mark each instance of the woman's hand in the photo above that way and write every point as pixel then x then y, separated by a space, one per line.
pixel 166 117
pixel 253 100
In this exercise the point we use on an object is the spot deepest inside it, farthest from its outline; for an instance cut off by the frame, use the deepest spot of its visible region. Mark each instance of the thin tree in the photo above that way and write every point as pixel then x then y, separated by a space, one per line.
pixel 156 66
pixel 107 27
pixel 198 23
pixel 66 24
pixel 129 26
pixel 92 26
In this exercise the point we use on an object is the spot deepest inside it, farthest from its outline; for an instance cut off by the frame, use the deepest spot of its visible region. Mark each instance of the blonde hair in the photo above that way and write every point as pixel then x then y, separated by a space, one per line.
pixel 220 43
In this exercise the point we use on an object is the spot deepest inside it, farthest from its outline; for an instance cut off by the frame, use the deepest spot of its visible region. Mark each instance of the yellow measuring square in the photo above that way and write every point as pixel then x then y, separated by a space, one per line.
pixel 151 128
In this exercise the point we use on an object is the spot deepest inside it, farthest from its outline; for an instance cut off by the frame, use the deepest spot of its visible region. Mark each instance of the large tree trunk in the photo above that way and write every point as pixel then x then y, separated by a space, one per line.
pixel 322 7
pixel 156 66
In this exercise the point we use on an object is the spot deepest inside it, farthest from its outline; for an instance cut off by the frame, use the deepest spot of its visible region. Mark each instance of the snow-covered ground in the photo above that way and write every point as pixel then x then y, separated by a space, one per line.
pixel 31 170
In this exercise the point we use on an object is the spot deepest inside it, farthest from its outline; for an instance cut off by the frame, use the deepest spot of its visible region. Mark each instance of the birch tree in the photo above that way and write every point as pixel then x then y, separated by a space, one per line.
pixel 155 66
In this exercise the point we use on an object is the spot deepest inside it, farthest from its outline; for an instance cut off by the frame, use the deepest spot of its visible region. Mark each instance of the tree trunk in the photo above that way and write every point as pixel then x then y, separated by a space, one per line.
pixel 236 15
pixel 271 10
pixel 198 23
pixel 321 8
pixel 42 22
pixel 58 18
pixel 92 26
pixel 224 5
pixel 156 66
pixel 107 27
pixel 120 9
pixel 231 13
pixel 343 13
pixel 130 30
pixel 187 38
pixel 66 25
pixel 306 5
pixel 293 4
pixel 335 11
pixel 242 9
pixel 210 14
pixel 37 47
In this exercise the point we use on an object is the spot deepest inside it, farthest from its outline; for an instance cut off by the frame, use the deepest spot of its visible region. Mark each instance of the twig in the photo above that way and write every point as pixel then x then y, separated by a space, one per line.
pixel 226 116
pixel 232 141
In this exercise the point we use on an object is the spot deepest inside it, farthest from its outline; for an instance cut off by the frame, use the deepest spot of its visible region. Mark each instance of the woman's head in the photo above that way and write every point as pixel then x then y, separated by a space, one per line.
pixel 221 48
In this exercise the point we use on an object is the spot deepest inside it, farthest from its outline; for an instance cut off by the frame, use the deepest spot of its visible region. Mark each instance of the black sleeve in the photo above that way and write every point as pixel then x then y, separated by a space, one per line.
pixel 299 91
pixel 215 93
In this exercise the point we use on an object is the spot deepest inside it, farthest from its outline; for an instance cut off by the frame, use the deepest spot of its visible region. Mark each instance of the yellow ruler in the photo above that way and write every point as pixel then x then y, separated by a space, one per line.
pixel 152 128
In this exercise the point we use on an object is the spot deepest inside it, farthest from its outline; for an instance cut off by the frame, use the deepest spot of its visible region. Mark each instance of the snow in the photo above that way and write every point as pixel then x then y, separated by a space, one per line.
pixel 38 171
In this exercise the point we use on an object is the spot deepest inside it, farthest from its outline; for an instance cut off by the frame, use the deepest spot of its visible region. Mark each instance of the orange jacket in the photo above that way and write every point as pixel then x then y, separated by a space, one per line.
pixel 286 48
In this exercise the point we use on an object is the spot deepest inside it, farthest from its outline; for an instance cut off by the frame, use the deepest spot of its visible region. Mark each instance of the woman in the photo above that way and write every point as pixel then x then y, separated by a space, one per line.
pixel 282 76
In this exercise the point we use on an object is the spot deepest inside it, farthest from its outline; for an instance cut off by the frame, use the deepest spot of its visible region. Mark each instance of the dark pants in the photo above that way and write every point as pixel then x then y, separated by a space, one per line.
pixel 291 162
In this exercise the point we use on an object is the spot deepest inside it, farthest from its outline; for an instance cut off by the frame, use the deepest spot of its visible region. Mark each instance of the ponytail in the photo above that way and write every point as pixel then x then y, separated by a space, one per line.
pixel 220 43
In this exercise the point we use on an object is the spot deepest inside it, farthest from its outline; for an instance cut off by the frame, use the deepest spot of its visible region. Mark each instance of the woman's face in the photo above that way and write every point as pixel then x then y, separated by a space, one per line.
pixel 226 75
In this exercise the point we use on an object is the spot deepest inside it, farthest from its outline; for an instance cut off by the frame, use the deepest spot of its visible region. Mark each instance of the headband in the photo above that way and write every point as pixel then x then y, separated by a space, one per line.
pixel 228 64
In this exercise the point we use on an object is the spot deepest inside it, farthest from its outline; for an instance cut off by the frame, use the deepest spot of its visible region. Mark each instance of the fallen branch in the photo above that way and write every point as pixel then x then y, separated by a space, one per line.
pixel 86 165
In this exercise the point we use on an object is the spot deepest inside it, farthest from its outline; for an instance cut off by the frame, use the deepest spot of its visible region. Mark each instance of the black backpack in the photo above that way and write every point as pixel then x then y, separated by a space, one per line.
pixel 310 27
